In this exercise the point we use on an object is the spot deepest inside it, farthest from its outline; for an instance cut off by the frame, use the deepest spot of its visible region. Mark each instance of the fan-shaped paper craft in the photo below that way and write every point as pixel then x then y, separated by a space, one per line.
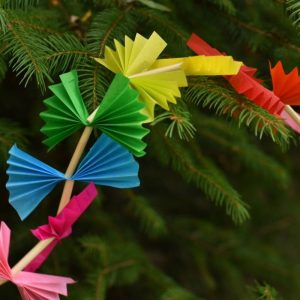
pixel 244 82
pixel 135 60
pixel 286 86
pixel 119 114
pixel 60 226
pixel 108 163
pixel 30 180
pixel 120 117
pixel 32 286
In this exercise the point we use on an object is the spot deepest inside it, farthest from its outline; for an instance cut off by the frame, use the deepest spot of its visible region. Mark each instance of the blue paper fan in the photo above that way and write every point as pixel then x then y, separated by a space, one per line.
pixel 30 180
pixel 108 163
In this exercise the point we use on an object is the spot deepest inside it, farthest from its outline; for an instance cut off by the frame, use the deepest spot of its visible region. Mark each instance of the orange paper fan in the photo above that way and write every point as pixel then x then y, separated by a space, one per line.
pixel 286 85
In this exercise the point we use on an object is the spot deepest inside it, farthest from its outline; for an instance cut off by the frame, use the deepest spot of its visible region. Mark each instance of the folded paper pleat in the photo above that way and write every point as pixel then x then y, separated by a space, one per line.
pixel 119 115
pixel 286 86
pixel 136 60
pixel 32 286
pixel 30 181
pixel 60 226
pixel 244 82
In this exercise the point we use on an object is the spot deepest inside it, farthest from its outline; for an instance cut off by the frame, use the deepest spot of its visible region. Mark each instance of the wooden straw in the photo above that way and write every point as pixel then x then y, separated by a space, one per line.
pixel 158 70
pixel 290 111
pixel 68 187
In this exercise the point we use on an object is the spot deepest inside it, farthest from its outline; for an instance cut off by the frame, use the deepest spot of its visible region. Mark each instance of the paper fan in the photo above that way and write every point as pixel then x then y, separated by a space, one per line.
pixel 65 112
pixel 135 60
pixel 244 82
pixel 286 86
pixel 30 180
pixel 138 60
pixel 108 163
pixel 119 115
pixel 32 286
pixel 60 226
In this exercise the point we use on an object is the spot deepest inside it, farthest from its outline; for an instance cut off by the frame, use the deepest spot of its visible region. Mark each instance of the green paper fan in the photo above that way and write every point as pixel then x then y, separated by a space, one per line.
pixel 119 114
pixel 66 112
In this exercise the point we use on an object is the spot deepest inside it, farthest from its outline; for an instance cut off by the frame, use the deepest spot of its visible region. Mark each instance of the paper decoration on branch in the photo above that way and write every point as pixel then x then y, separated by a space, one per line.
pixel 119 114
pixel 244 82
pixel 60 227
pixel 203 65
pixel 32 286
pixel 158 80
pixel 30 180
pixel 286 87
pixel 135 60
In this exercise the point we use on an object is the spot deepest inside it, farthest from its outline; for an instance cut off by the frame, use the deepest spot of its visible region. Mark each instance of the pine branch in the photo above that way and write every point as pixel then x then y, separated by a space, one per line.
pixel 10 133
pixel 26 50
pixel 151 222
pixel 293 7
pixel 177 293
pixel 18 4
pixel 171 31
pixel 265 292
pixel 106 25
pixel 65 52
pixel 179 120
pixel 199 171
pixel 115 266
pixel 170 289
pixel 3 20
pixel 226 5
pixel 3 67
pixel 218 134
pixel 214 95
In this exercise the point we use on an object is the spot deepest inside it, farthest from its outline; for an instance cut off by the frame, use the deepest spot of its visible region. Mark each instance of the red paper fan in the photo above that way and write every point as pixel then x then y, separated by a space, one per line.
pixel 286 85
pixel 244 82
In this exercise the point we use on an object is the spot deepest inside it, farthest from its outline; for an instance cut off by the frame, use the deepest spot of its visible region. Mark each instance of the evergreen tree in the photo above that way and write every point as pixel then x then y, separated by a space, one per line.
pixel 217 212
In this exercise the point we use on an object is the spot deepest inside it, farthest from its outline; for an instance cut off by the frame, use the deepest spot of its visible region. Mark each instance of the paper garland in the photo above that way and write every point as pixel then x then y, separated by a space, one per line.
pixel 30 180
pixel 120 118
pixel 119 114
pixel 60 226
pixel 32 286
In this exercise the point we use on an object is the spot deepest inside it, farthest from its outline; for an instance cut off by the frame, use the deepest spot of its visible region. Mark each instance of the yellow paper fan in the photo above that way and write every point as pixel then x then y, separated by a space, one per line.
pixel 158 80
pixel 135 61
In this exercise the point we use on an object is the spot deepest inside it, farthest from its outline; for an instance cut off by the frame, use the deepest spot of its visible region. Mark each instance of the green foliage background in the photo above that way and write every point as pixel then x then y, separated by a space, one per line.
pixel 217 215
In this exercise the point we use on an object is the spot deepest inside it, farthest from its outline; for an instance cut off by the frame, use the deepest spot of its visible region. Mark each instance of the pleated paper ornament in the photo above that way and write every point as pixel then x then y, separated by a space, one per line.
pixel 60 226
pixel 30 180
pixel 119 114
pixel 244 82
pixel 158 80
pixel 32 286
pixel 287 87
